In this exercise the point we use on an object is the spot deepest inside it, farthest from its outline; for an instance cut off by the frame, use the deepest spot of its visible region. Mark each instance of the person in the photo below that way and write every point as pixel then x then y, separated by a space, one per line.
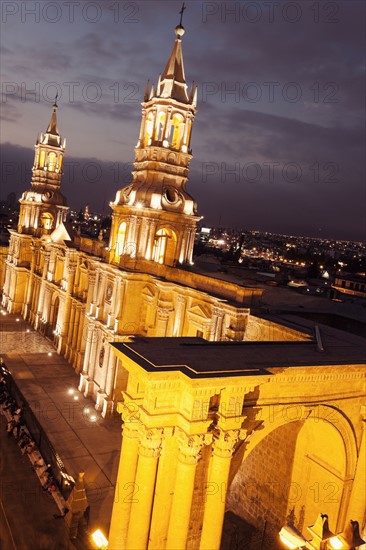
pixel 62 515
pixel 50 484
pixel 39 463
pixel 9 427
pixel 31 447
pixel 23 439
pixel 47 471
pixel 87 517
pixel 16 429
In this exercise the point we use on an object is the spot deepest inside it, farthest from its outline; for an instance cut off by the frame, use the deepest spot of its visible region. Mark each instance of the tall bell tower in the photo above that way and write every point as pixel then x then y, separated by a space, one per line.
pixel 154 218
pixel 43 207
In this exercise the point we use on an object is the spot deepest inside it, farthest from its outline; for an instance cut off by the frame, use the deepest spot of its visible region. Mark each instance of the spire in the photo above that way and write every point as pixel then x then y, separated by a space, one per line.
pixel 52 127
pixel 173 83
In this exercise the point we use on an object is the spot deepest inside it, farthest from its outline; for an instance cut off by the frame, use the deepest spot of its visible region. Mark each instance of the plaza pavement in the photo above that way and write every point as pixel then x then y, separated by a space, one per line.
pixel 45 379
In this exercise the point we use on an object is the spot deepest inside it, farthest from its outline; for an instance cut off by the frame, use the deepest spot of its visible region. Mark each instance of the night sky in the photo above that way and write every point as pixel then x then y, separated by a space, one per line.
pixel 279 137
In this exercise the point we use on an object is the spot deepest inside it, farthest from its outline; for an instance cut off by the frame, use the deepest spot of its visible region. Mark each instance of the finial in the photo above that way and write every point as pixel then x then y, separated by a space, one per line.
pixel 55 106
pixel 179 29
pixel 181 14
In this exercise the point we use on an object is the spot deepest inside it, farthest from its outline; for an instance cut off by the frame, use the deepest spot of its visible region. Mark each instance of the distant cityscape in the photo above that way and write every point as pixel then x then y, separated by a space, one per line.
pixel 333 268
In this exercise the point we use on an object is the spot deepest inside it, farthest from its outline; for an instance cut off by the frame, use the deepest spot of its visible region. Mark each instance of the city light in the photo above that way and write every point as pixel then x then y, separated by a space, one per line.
pixel 100 539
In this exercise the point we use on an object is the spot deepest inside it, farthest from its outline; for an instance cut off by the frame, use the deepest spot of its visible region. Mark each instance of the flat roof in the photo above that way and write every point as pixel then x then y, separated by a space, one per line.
pixel 198 358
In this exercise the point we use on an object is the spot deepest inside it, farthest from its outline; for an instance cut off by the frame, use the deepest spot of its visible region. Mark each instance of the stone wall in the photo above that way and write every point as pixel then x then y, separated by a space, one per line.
pixel 261 489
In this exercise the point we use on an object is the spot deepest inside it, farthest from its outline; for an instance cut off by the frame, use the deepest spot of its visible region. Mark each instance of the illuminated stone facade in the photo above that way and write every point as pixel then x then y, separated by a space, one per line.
pixel 76 291
pixel 201 416
pixel 273 432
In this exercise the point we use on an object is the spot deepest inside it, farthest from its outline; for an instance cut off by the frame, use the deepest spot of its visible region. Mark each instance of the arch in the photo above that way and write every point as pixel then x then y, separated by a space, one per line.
pixel 164 246
pixel 161 125
pixel 149 126
pixel 52 162
pixel 189 132
pixel 299 462
pixel 121 239
pixel 278 415
pixel 47 221
pixel 53 327
pixel 42 159
pixel 60 160
pixel 176 130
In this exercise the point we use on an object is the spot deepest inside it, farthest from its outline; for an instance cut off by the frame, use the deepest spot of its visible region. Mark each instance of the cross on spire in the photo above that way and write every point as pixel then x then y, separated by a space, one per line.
pixel 181 13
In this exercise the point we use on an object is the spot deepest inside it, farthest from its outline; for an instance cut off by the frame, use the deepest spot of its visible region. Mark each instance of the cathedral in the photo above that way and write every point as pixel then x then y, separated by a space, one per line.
pixel 84 293
pixel 225 409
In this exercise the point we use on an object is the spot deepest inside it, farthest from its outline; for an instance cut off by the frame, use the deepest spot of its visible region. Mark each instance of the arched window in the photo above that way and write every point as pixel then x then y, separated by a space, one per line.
pixel 60 159
pixel 189 132
pixel 121 237
pixel 176 130
pixel 47 221
pixel 161 126
pixel 42 159
pixel 148 128
pixel 160 243
pixel 51 162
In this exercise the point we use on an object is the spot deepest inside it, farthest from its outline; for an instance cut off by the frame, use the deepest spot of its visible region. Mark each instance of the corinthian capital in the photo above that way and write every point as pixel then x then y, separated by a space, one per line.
pixel 190 446
pixel 150 441
pixel 225 441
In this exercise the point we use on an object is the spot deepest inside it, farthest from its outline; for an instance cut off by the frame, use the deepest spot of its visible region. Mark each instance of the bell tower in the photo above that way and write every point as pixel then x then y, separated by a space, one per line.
pixel 154 218
pixel 43 207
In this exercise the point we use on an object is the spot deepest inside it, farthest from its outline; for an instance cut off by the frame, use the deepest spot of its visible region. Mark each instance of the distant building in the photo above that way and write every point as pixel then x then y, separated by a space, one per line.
pixel 255 416
pixel 351 285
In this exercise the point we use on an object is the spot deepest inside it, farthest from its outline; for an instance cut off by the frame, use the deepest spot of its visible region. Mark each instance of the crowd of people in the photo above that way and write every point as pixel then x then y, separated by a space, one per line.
pixel 15 427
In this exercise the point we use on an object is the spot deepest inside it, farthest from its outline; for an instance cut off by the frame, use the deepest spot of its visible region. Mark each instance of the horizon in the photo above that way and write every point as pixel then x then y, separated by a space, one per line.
pixel 289 167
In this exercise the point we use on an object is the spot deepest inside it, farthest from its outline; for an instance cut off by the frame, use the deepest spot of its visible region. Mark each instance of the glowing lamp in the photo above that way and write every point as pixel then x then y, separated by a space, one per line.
pixel 184 148
pixel 100 539
pixel 291 537
pixel 335 543
pixel 71 391
pixel 349 538
pixel 165 143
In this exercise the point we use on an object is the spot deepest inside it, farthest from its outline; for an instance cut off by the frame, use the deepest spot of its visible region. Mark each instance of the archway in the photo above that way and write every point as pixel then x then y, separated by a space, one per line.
pixel 52 325
pixel 296 471
pixel 164 246
pixel 120 242
pixel 47 221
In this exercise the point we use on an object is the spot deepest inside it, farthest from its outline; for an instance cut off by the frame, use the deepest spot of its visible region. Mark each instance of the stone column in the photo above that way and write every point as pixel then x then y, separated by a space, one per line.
pixel 80 344
pixel 137 238
pixel 189 453
pixel 357 504
pixel 150 239
pixel 84 379
pixel 162 321
pixel 219 468
pixel 71 268
pixel 190 245
pixel 183 245
pixel 125 486
pixel 47 255
pixel 130 242
pixel 142 129
pixel 179 316
pixel 30 283
pixel 216 331
pixel 149 451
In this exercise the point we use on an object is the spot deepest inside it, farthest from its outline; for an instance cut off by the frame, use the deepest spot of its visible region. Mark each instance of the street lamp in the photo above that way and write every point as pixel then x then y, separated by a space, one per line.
pixel 322 537
pixel 100 540
pixel 349 538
